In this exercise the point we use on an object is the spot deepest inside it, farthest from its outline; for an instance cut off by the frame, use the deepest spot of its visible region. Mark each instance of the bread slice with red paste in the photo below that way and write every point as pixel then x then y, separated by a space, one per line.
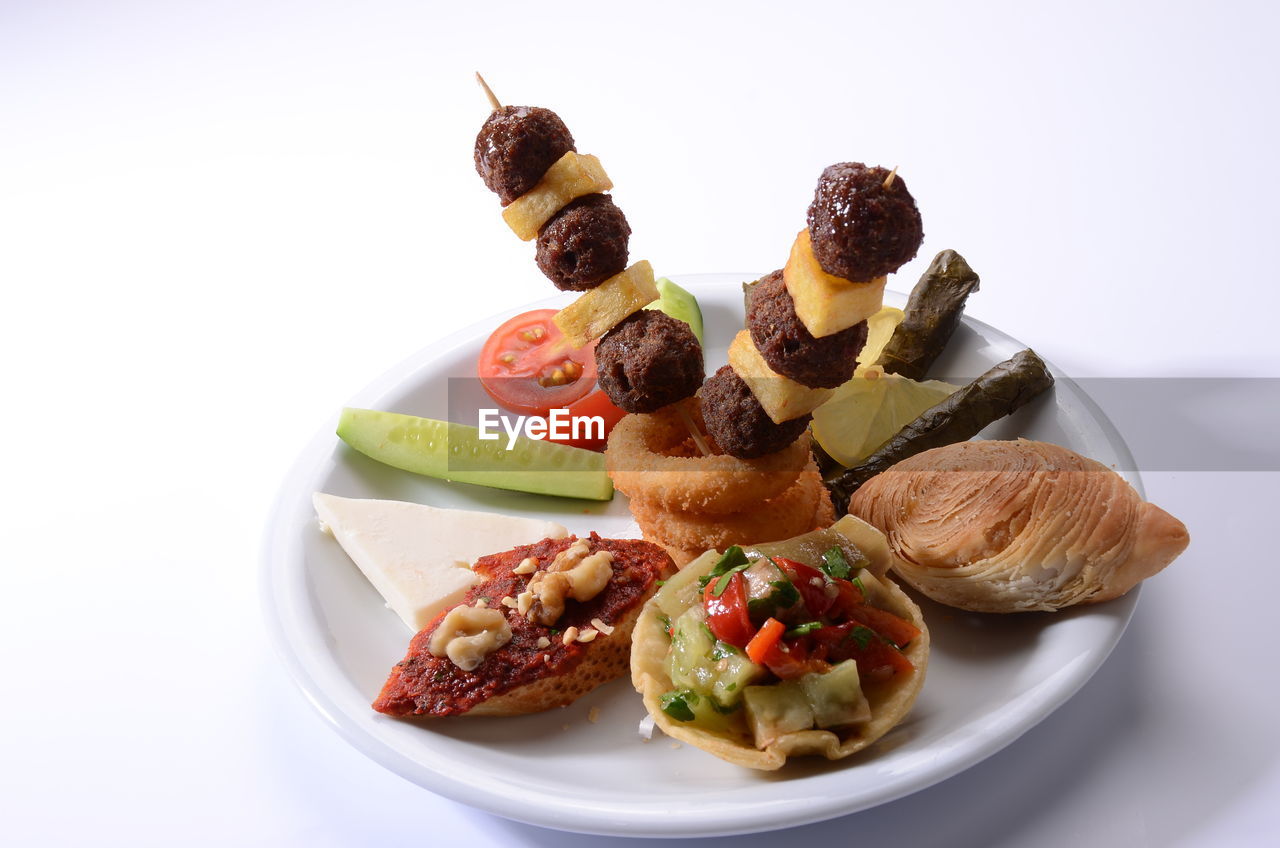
pixel 548 623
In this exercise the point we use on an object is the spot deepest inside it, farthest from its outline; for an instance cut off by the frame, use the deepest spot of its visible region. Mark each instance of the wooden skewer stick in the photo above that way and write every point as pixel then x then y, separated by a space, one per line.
pixel 693 430
pixel 888 181
pixel 488 92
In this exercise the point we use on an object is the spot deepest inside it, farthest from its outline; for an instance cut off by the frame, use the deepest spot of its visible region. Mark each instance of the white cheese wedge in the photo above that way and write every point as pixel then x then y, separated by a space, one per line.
pixel 419 557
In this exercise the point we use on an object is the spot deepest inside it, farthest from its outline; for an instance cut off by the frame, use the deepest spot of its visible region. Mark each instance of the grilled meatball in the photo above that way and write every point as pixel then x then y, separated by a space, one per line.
pixel 516 146
pixel 584 244
pixel 789 348
pixel 649 360
pixel 861 230
pixel 738 423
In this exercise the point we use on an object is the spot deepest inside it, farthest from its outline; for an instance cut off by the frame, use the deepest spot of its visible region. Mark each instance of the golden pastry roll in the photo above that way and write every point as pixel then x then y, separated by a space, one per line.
pixel 1015 526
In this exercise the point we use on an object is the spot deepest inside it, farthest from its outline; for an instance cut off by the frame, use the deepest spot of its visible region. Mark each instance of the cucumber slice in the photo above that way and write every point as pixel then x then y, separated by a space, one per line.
pixel 679 303
pixel 836 696
pixel 700 663
pixel 776 709
pixel 455 452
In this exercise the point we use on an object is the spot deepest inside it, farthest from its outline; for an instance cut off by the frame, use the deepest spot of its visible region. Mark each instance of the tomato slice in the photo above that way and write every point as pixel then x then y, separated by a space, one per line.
pixel 596 404
pixel 527 366
pixel 727 612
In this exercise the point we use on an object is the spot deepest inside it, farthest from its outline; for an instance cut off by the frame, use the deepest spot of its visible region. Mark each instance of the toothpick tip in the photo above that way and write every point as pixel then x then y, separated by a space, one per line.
pixel 692 427
pixel 488 92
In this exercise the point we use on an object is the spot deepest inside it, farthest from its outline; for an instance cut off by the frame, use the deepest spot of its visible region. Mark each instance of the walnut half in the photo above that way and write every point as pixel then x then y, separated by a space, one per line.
pixel 469 634
pixel 574 573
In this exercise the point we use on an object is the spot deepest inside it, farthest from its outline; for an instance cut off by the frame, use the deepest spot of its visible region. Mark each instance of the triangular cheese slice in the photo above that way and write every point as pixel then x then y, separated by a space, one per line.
pixel 419 557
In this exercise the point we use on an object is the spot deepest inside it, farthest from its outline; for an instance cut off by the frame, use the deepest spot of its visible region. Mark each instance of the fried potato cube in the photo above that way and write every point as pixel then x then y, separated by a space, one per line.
pixel 599 310
pixel 827 304
pixel 572 176
pixel 782 398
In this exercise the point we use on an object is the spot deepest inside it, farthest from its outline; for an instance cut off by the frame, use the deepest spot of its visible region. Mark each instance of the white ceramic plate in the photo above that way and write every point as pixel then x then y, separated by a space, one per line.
pixel 991 678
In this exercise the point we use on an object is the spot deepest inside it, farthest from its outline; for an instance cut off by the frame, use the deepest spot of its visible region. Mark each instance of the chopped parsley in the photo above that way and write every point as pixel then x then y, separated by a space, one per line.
pixel 835 565
pixel 677 704
pixel 731 559
pixel 721 650
pixel 721 708
pixel 723 582
pixel 862 635
pixel 803 629
pixel 784 595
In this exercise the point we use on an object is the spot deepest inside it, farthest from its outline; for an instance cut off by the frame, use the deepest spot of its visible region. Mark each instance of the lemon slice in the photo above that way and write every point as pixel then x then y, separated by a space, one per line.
pixel 880 328
pixel 867 411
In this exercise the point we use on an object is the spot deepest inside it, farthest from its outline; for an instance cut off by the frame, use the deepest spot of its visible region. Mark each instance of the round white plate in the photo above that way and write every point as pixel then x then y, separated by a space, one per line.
pixel 991 678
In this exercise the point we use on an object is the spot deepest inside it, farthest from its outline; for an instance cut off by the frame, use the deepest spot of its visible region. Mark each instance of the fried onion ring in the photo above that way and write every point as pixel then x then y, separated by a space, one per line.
pixel 788 514
pixel 825 515
pixel 651 458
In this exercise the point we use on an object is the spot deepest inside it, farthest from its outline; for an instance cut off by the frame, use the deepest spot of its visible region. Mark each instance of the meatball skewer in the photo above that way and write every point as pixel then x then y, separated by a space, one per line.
pixel 646 359
pixel 806 323
pixel 583 241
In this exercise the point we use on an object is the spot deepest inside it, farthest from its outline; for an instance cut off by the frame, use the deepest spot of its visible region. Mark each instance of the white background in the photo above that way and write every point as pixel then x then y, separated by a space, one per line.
pixel 220 220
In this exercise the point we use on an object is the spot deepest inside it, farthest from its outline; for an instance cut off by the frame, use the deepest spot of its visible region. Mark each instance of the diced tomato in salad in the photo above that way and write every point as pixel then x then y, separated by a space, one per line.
pixel 727 615
pixel 766 640
pixel 877 659
pixel 810 583
pixel 837 623
pixel 886 624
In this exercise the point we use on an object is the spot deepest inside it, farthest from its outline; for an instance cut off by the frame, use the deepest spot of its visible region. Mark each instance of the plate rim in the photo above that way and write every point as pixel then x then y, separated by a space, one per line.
pixel 276 609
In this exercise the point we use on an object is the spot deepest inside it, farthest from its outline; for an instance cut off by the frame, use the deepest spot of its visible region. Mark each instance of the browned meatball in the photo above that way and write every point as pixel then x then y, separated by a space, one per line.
pixel 789 348
pixel 861 230
pixel 584 244
pixel 649 360
pixel 738 423
pixel 516 146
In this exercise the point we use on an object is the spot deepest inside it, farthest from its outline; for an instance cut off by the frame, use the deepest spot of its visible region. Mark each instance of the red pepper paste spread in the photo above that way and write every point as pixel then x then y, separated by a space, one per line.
pixel 424 684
